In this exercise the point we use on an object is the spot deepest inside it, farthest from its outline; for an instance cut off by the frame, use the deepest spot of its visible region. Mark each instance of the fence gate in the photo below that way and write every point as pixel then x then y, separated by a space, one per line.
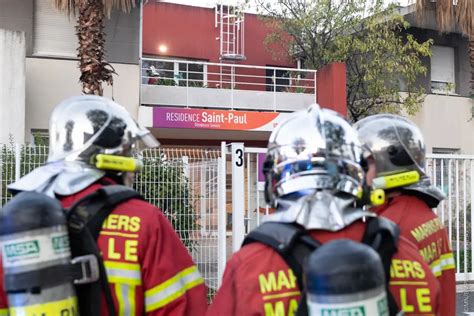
pixel 246 203
pixel 183 183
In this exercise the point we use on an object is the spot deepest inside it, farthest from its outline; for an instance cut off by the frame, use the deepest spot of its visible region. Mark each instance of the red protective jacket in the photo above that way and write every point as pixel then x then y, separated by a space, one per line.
pixel 257 281
pixel 421 226
pixel 149 270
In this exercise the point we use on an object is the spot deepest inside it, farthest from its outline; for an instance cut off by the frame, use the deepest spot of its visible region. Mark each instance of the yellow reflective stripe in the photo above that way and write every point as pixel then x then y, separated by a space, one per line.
pixel 123 280
pixel 436 267
pixel 172 288
pixel 126 299
pixel 3 311
pixel 448 255
pixel 173 296
pixel 66 306
pixel 120 300
pixel 131 299
pixel 447 261
pixel 122 265
pixel 126 273
pixel 118 234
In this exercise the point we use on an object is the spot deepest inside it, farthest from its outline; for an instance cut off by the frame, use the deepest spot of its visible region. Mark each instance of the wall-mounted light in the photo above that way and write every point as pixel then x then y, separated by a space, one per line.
pixel 162 48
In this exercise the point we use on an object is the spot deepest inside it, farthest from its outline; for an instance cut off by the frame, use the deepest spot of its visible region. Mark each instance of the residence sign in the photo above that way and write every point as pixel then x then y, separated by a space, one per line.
pixel 166 117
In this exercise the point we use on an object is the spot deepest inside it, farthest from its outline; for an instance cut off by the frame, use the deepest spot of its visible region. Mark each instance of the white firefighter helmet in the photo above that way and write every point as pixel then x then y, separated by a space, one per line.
pixel 396 144
pixel 82 129
pixel 312 170
pixel 313 149
pixel 398 149
pixel 84 126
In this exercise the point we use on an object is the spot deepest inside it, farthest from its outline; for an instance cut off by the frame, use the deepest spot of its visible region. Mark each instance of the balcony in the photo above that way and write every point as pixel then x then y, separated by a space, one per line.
pixel 172 82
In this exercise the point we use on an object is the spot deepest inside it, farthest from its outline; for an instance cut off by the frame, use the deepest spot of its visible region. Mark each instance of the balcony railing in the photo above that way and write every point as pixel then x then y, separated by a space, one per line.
pixel 174 82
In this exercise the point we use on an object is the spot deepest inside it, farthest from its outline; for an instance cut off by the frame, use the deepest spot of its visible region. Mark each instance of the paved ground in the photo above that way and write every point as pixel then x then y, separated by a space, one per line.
pixel 465 302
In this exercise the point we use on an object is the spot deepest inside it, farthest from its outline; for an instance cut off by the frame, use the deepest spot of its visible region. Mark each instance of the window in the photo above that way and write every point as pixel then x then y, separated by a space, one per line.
pixel 54 33
pixel 193 72
pixel 442 70
pixel 40 137
pixel 277 79
pixel 445 151
pixel 175 73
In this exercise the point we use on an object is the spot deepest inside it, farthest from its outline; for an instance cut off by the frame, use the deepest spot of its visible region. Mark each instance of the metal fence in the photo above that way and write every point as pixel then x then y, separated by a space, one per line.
pixel 209 212
pixel 182 182
pixel 453 174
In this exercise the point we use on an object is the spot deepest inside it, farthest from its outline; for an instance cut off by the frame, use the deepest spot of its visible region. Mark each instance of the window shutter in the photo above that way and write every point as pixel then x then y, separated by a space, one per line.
pixel 442 64
pixel 54 32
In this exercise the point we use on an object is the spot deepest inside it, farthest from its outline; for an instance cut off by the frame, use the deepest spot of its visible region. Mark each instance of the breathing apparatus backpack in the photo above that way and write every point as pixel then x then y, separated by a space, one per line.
pixel 293 243
pixel 51 260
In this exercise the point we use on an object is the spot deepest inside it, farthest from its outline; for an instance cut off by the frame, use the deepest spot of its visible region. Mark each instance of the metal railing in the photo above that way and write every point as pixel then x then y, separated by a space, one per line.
pixel 230 77
pixel 454 175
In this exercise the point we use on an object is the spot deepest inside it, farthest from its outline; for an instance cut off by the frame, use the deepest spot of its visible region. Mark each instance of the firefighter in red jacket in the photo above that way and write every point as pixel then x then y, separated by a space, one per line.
pixel 314 177
pixel 397 164
pixel 149 270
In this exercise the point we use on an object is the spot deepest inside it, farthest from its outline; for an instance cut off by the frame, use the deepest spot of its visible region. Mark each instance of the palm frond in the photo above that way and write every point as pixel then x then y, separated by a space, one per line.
pixel 465 17
pixel 66 6
pixel 421 8
pixel 123 5
pixel 70 6
pixel 444 14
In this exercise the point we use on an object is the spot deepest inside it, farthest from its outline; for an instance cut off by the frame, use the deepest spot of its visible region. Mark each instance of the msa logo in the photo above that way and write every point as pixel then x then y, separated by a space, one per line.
pixel 351 311
pixel 60 244
pixel 22 249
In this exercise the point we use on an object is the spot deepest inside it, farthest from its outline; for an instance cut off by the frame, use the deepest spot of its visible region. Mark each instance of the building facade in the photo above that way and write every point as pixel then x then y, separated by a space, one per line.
pixel 208 69
pixel 445 116
pixel 186 68
pixel 50 67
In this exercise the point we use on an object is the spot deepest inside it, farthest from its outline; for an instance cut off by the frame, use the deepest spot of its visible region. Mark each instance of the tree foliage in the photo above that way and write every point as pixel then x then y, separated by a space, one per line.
pixel 382 59
pixel 163 183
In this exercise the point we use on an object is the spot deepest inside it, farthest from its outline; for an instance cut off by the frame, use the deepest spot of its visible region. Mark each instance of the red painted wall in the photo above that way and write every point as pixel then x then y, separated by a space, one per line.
pixel 331 87
pixel 189 32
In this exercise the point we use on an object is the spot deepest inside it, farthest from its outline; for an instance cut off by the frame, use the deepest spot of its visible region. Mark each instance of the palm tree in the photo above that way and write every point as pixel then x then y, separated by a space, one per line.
pixel 450 12
pixel 90 32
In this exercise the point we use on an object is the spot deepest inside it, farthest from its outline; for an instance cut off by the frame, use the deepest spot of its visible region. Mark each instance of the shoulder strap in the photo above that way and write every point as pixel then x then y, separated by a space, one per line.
pixel 293 244
pixel 85 219
pixel 382 235
pixel 101 205
pixel 290 241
